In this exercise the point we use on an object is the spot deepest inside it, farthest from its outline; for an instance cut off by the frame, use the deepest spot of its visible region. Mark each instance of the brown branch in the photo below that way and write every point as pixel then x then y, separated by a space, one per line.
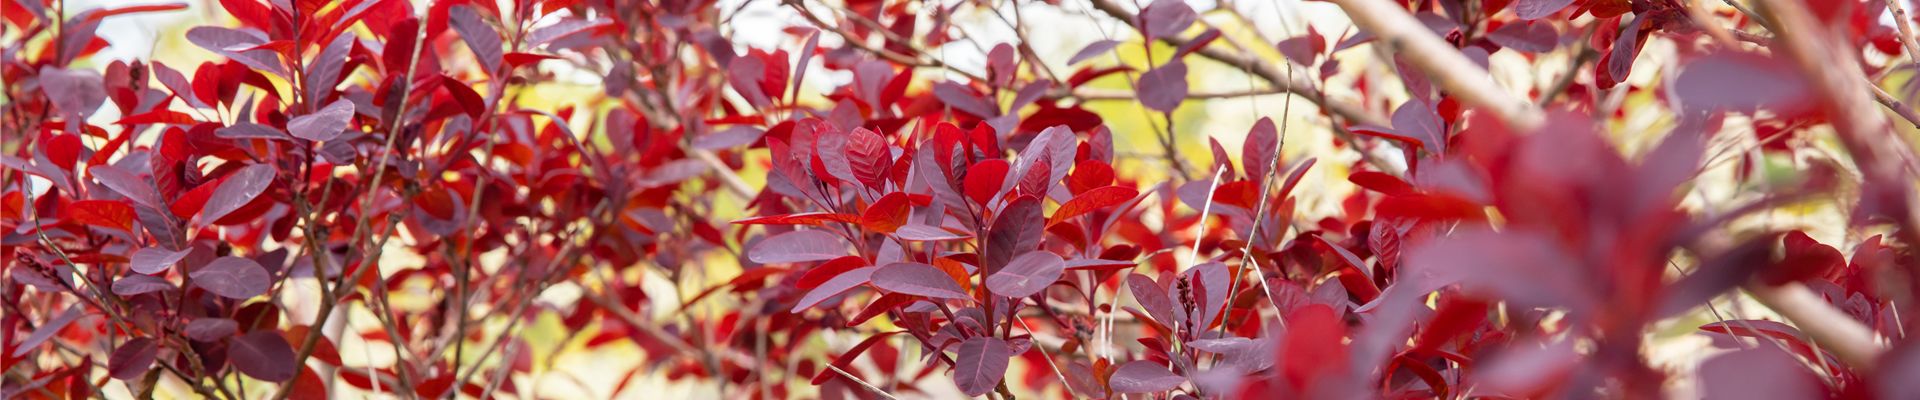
pixel 1842 90
pixel 1587 54
pixel 1097 94
pixel 1465 80
pixel 1266 71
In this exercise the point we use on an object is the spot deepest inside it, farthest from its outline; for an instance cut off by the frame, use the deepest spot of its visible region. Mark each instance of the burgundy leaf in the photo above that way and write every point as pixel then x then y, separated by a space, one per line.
pixel 325 124
pixel 1414 119
pixel 136 284
pixel 982 362
pixel 127 185
pixel 77 92
pixel 565 27
pixel 133 358
pixel 481 38
pixel 236 191
pixel 1152 296
pixel 1142 376
pixel 155 260
pixel 178 83
pixel 1536 9
pixel 1027 274
pixel 1261 148
pixel 263 355
pixel 799 246
pixel 47 330
pixel 219 40
pixel 249 130
pixel 1162 89
pixel 870 158
pixel 1092 50
pixel 1017 230
pixel 233 278
pixel 926 233
pixel 1725 80
pixel 1529 37
pixel 1625 49
pixel 1167 18
pixel 1757 373
pixel 210 329
pixel 919 280
pixel 738 135
pixel 324 71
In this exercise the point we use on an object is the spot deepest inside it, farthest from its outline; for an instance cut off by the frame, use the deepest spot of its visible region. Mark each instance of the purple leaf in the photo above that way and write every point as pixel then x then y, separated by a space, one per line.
pixel 1418 87
pixel 481 38
pixel 324 72
pixel 1348 255
pixel 249 130
pixel 218 40
pixel 1166 18
pixel 178 83
pixel 1625 49
pixel 1725 80
pixel 981 364
pixel 1536 9
pixel 155 260
pixel 133 358
pixel 1163 88
pixel 1027 274
pixel 1526 37
pixel 1757 373
pixel 1153 297
pixel 128 185
pixel 1260 149
pixel 738 135
pixel 834 287
pixel 919 280
pixel 210 329
pixel 77 92
pixel 263 355
pixel 565 27
pixel 960 98
pixel 1413 119
pixel 1028 94
pixel 1298 49
pixel 325 124
pixel 1016 230
pixel 1093 50
pixel 806 56
pixel 136 284
pixel 926 233
pixel 1142 376
pixel 236 191
pixel 47 330
pixel 798 246
pixel 744 75
pixel 233 278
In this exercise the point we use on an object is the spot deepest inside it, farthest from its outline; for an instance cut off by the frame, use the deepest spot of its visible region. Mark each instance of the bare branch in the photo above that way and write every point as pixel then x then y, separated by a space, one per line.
pixel 1403 34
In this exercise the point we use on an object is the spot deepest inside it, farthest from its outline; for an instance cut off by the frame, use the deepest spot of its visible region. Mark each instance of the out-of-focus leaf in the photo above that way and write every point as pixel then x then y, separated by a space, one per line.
pixel 1163 88
pixel 845 360
pixel 1142 376
pixel 210 329
pixel 77 92
pixel 481 38
pixel 1726 80
pixel 1092 50
pixel 1536 9
pixel 1528 37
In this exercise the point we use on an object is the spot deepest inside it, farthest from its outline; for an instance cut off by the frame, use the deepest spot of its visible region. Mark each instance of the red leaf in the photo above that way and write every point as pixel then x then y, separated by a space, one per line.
pixel 820 219
pixel 881 306
pixel 63 150
pixel 1088 175
pixel 888 213
pixel 829 270
pixel 192 201
pixel 984 180
pixel 159 117
pixel 1092 200
pixel 104 213
pixel 1379 182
